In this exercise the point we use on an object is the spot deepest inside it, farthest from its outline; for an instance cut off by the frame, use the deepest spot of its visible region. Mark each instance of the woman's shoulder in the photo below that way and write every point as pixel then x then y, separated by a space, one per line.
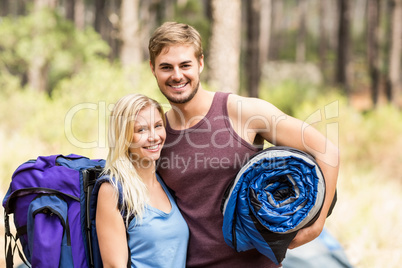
pixel 107 189
pixel 103 182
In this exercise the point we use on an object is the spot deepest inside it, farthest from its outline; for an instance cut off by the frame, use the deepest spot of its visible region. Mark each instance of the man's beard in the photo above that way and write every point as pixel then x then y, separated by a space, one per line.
pixel 175 100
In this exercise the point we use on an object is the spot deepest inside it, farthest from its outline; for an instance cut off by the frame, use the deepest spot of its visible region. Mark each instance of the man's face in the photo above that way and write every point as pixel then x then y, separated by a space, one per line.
pixel 177 72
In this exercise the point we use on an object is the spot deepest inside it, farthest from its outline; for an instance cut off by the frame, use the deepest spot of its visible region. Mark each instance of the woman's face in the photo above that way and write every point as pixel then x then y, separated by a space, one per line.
pixel 149 136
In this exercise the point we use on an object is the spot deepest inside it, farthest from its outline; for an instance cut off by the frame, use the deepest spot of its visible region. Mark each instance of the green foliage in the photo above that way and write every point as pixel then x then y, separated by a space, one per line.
pixel 287 50
pixel 73 120
pixel 80 106
pixel 368 140
pixel 376 135
pixel 192 13
pixel 288 95
pixel 8 83
pixel 18 108
pixel 84 86
pixel 45 34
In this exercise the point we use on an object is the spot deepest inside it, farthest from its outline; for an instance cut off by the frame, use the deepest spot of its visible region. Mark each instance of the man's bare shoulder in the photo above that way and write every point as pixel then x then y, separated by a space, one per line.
pixel 248 106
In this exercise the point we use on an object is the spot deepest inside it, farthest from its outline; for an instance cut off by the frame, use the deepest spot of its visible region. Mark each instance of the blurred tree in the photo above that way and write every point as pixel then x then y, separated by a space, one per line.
pixel 387 7
pixel 323 36
pixel 70 9
pixel 395 53
pixel 40 4
pixel 277 29
pixel 219 22
pixel 301 33
pixel 194 12
pixel 207 8
pixel 4 7
pixel 148 20
pixel 75 11
pixel 130 52
pixel 265 29
pixel 21 7
pixel 79 14
pixel 253 61
pixel 373 35
pixel 224 52
pixel 47 41
pixel 106 23
pixel 38 69
pixel 343 49
pixel 168 9
pixel 99 16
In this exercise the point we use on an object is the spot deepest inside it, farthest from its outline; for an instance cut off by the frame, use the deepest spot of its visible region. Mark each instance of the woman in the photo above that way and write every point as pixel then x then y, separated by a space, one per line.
pixel 152 233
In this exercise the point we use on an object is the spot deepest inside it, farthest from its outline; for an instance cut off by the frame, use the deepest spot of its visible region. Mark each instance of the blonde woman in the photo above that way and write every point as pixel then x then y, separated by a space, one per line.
pixel 153 232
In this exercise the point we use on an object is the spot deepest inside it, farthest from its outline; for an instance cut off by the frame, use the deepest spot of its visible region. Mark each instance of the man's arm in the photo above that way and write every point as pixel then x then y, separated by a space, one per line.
pixel 259 117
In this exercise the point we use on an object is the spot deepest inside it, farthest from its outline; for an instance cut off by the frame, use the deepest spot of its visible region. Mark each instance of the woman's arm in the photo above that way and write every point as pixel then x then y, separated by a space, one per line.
pixel 110 229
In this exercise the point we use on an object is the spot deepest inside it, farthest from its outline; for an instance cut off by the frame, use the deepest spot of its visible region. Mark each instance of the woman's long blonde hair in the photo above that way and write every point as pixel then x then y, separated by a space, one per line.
pixel 119 164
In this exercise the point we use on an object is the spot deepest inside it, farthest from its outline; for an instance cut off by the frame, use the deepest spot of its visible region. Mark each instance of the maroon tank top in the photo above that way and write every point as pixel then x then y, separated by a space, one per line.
pixel 198 164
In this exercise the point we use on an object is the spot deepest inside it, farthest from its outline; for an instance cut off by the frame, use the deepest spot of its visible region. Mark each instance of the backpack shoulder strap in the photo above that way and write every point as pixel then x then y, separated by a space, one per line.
pixel 9 248
pixel 106 178
pixel 92 213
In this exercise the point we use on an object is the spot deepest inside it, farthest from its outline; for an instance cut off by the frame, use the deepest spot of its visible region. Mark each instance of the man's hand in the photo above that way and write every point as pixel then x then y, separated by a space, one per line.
pixel 307 234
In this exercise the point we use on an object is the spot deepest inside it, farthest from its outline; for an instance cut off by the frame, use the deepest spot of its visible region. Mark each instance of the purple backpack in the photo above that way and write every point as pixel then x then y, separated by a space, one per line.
pixel 50 199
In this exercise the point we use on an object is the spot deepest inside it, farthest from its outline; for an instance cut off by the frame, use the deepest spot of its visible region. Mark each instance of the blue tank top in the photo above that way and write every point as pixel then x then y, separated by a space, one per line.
pixel 160 240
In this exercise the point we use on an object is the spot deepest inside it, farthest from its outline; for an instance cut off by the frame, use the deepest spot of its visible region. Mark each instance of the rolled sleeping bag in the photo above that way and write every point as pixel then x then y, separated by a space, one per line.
pixel 276 193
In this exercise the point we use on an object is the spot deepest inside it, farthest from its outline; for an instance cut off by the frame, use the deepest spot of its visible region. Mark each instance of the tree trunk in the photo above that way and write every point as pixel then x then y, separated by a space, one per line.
pixel 4 7
pixel 208 9
pixel 38 68
pixel 38 73
pixel 276 29
pixel 149 21
pixel 21 9
pixel 168 9
pixel 99 15
pixel 343 50
pixel 107 26
pixel 252 59
pixel 70 9
pixel 130 53
pixel 373 31
pixel 323 32
pixel 301 35
pixel 387 6
pixel 265 29
pixel 224 55
pixel 39 4
pixel 395 53
pixel 79 14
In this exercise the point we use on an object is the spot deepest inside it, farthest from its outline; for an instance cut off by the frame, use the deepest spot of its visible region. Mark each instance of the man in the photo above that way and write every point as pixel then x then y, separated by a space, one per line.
pixel 209 136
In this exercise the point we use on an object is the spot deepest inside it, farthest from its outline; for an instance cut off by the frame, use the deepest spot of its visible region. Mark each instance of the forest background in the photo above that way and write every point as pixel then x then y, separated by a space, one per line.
pixel 335 64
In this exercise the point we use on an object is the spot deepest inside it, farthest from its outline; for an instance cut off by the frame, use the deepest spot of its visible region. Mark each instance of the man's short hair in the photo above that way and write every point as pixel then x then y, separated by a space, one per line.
pixel 174 33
